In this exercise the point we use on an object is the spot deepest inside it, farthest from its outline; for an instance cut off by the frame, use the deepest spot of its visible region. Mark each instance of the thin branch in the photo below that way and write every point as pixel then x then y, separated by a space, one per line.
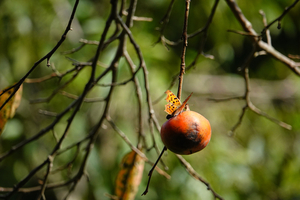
pixel 142 65
pixel 244 33
pixel 86 100
pixel 48 99
pixel 239 122
pixel 38 188
pixel 184 47
pixel 151 116
pixel 136 18
pixel 55 74
pixel 40 133
pixel 48 113
pixel 113 68
pixel 278 19
pixel 204 30
pixel 255 109
pixel 194 174
pixel 294 66
pixel 152 169
pixel 26 179
pixel 268 34
pixel 294 56
pixel 261 113
pixel 46 57
pixel 141 134
pixel 125 138
pixel 226 99
pixel 74 49
pixel 164 21
pixel 201 30
pixel 44 185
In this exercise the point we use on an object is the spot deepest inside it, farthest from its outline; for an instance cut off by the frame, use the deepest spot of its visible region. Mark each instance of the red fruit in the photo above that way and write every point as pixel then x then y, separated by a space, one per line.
pixel 186 133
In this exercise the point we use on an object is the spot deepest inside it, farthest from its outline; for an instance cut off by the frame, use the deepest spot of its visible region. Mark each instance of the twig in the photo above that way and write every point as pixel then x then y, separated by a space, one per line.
pixel 276 121
pixel 151 170
pixel 136 18
pixel 267 30
pixel 226 99
pixel 125 138
pixel 255 109
pixel 164 21
pixel 46 57
pixel 74 49
pixel 203 30
pixel 286 10
pixel 90 84
pixel 40 133
pixel 251 106
pixel 142 65
pixel 86 100
pixel 50 165
pixel 194 174
pixel 244 33
pixel 151 115
pixel 191 35
pixel 25 180
pixel 294 66
pixel 294 56
pixel 47 113
pixel 184 47
pixel 143 156
pixel 50 76
pixel 141 134
pixel 48 99
pixel 239 122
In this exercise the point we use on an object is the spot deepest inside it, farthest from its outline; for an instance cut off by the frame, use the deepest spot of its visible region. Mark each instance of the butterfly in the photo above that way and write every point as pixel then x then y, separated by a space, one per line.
pixel 174 107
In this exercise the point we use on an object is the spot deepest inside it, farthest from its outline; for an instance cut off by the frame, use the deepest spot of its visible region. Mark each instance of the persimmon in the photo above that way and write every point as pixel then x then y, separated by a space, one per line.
pixel 186 133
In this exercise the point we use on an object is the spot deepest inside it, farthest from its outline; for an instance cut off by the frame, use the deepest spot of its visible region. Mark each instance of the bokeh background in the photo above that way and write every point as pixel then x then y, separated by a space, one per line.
pixel 260 161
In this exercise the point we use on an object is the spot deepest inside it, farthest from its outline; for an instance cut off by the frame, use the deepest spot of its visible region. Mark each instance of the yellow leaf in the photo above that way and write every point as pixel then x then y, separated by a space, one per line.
pixel 16 101
pixel 129 176
pixel 8 111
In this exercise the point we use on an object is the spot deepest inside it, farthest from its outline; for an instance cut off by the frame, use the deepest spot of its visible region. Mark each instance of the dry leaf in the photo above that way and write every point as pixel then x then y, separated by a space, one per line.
pixel 16 101
pixel 8 111
pixel 129 176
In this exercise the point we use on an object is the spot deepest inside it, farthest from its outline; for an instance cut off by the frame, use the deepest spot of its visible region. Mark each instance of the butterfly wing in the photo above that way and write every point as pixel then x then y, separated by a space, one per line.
pixel 172 98
pixel 174 107
pixel 173 104
pixel 170 108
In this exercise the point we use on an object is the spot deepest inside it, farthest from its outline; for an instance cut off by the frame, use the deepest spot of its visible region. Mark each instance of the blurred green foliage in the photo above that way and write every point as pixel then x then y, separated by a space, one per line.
pixel 261 161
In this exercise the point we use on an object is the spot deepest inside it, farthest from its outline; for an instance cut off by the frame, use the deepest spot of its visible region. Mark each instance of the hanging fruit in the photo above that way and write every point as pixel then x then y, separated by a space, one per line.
pixel 185 132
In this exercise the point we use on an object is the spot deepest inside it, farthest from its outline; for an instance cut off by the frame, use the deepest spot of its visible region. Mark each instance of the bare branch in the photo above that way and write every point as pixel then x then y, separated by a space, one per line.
pixel 265 24
pixel 278 19
pixel 268 48
pixel 194 174
pixel 185 44
pixel 46 57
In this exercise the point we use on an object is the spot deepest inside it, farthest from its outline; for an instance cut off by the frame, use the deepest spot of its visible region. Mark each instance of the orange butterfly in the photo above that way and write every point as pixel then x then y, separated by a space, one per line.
pixel 174 107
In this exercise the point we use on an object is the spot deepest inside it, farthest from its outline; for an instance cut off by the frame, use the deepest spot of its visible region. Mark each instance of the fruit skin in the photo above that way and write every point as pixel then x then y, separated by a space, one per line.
pixel 186 133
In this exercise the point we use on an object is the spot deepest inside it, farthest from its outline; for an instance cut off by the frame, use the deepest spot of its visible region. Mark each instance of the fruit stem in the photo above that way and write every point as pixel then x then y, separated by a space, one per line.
pixel 152 169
